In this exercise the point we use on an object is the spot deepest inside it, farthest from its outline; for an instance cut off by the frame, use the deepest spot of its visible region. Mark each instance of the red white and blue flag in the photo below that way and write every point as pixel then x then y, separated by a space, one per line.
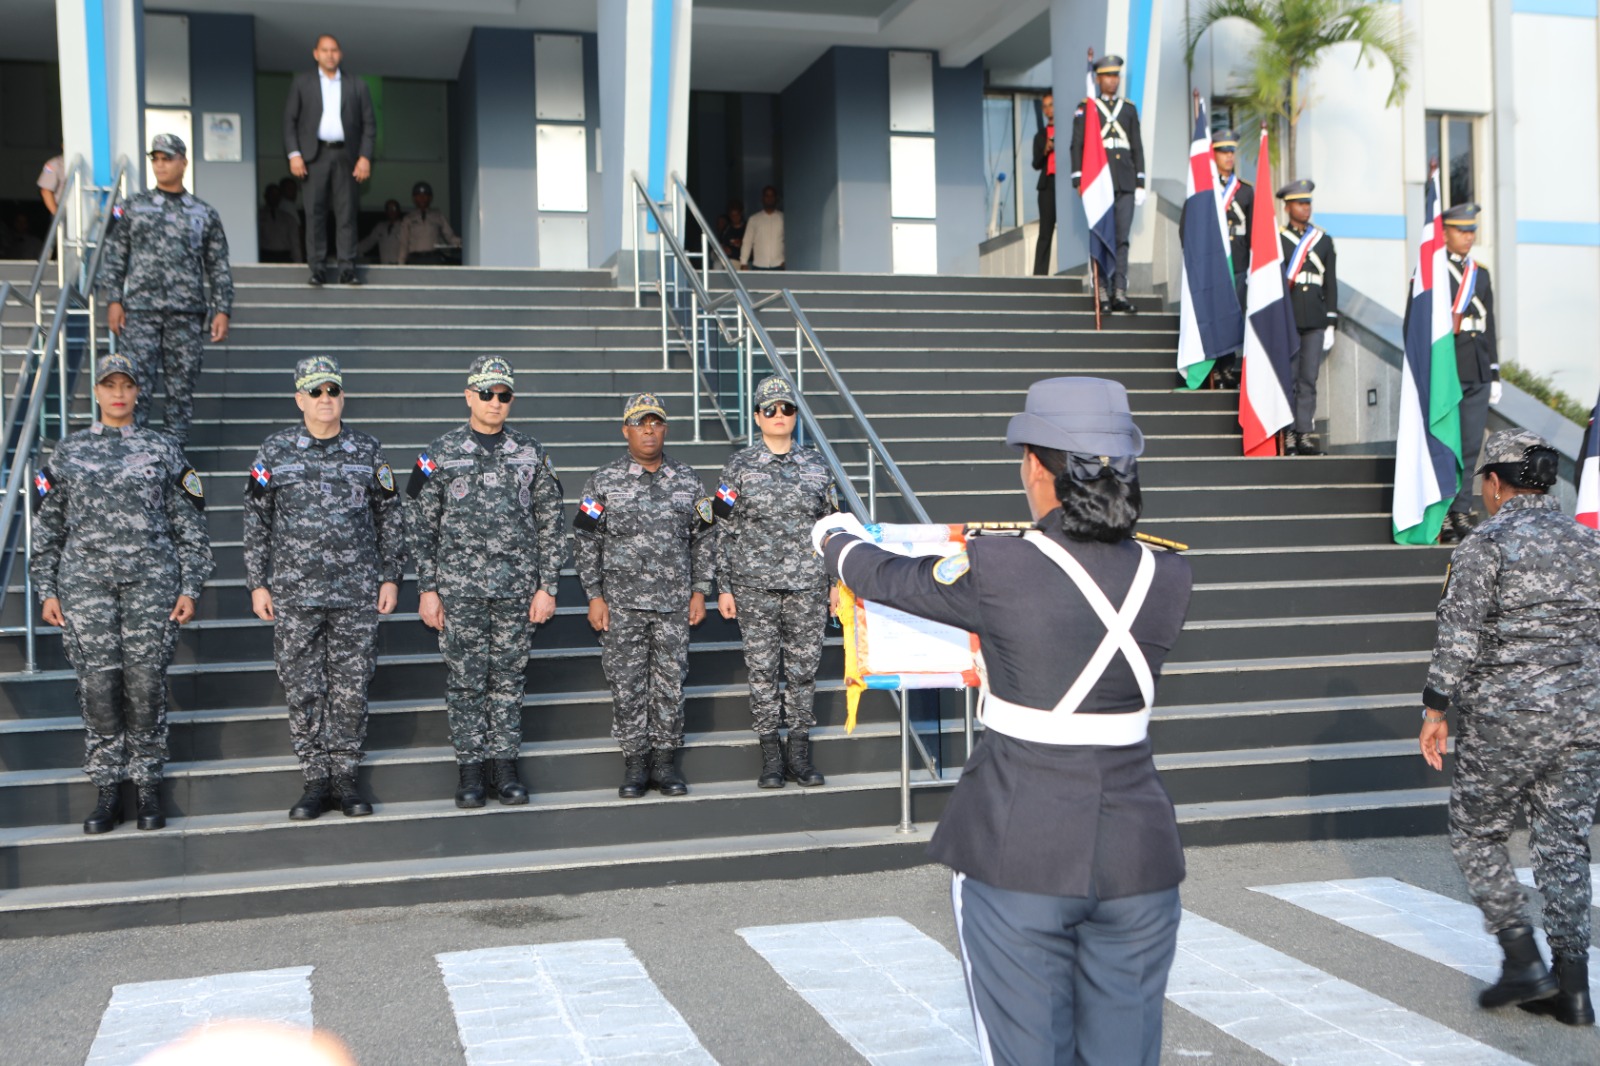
pixel 426 465
pixel 1427 459
pixel 261 474
pixel 1589 475
pixel 1094 185
pixel 1210 323
pixel 1270 335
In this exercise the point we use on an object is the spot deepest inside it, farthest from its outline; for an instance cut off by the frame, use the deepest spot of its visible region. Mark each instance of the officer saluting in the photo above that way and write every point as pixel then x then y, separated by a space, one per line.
pixel 1309 266
pixel 1119 129
pixel 1063 841
pixel 1477 352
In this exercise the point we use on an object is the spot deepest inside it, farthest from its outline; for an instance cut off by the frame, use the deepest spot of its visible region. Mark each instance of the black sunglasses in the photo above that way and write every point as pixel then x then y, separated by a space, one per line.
pixel 331 390
pixel 768 410
pixel 489 396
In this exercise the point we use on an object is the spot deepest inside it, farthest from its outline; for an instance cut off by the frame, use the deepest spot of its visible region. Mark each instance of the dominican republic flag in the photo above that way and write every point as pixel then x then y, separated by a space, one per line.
pixel 1210 324
pixel 1094 185
pixel 1270 335
pixel 1427 459
pixel 1589 475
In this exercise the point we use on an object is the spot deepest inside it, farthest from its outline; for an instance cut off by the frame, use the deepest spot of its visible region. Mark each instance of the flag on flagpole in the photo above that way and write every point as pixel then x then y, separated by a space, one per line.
pixel 1094 185
pixel 1270 335
pixel 1427 462
pixel 1210 323
pixel 1589 475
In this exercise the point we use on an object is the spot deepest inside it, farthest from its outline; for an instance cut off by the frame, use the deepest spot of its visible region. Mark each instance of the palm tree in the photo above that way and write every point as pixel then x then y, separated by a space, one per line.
pixel 1294 34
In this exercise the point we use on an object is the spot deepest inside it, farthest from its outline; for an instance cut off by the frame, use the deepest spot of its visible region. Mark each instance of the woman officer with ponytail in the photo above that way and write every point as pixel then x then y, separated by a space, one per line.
pixel 1063 840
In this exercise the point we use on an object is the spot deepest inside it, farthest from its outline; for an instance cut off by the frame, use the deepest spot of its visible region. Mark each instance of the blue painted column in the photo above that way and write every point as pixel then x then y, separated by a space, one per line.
pixel 99 44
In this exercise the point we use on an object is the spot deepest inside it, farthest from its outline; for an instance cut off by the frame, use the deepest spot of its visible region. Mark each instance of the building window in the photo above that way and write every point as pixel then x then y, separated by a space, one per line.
pixel 1223 114
pixel 1453 141
pixel 1009 122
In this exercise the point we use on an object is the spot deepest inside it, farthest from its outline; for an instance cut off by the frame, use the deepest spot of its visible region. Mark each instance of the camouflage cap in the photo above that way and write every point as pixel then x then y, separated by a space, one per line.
pixel 114 364
pixel 773 389
pixel 488 371
pixel 1509 446
pixel 316 370
pixel 170 143
pixel 641 404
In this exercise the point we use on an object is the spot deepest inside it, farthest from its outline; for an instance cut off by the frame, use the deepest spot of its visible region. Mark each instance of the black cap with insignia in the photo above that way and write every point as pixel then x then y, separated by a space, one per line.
pixel 1463 216
pixel 1297 190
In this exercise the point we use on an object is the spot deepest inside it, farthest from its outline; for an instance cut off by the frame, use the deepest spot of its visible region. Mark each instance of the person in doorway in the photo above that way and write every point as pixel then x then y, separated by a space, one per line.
pixel 1063 842
pixel 1044 161
pixel 769 496
pixel 52 179
pixel 425 230
pixel 165 271
pixel 120 554
pixel 645 551
pixel 1310 266
pixel 278 229
pixel 324 540
pixel 385 236
pixel 328 133
pixel 763 236
pixel 1477 353
pixel 1119 130
pixel 731 232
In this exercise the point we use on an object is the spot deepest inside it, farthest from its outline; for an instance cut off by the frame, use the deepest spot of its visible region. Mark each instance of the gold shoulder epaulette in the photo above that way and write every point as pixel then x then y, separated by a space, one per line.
pixel 1161 542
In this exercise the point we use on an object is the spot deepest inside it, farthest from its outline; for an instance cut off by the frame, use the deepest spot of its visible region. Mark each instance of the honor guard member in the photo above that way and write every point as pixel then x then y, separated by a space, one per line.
pixel 1518 654
pixel 1309 267
pixel 1477 352
pixel 769 496
pixel 1237 197
pixel 489 540
pixel 324 542
pixel 424 230
pixel 1119 129
pixel 1063 840
pixel 120 553
pixel 165 271
pixel 645 557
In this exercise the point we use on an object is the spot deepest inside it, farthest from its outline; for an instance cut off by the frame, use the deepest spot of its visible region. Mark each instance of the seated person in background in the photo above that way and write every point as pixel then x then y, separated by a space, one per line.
pixel 278 229
pixel 385 236
pixel 425 229
pixel 731 234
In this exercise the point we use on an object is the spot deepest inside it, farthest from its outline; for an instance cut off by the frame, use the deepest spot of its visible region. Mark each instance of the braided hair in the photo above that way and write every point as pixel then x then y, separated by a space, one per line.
pixel 1100 501
pixel 1536 472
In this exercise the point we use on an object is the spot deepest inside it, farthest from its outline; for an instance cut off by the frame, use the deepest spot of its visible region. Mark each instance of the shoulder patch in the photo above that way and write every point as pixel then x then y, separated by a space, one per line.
pixel 44 483
pixel 950 570
pixel 726 497
pixel 189 482
pixel 550 469
pixel 260 479
pixel 702 507
pixel 420 475
pixel 590 512
pixel 385 478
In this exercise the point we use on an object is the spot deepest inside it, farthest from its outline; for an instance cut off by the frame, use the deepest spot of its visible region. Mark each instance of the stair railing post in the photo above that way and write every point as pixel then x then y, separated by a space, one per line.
pixel 967 717
pixel 637 303
pixel 661 287
pixel 872 486
pixel 30 650
pixel 694 357
pixel 61 376
pixel 906 824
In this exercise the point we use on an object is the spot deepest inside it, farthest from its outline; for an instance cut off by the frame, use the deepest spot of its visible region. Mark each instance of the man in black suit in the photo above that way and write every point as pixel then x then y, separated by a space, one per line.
pixel 328 133
pixel 1044 161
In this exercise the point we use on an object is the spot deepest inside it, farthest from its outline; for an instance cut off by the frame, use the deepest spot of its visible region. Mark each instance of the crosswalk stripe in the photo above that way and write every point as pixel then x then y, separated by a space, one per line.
pixel 1424 923
pixel 1525 875
pixel 1295 1013
pixel 895 994
pixel 142 1017
pixel 585 1001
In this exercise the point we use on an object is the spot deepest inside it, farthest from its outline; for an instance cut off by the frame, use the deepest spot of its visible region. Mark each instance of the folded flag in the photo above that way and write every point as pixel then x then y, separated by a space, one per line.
pixel 1270 335
pixel 1210 323
pixel 1589 475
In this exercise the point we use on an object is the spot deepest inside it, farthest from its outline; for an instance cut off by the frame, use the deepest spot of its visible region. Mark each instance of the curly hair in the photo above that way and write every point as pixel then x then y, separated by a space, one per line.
pixel 1105 509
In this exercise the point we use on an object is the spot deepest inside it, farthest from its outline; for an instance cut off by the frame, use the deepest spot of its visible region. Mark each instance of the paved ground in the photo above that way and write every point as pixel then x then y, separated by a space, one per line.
pixel 375 980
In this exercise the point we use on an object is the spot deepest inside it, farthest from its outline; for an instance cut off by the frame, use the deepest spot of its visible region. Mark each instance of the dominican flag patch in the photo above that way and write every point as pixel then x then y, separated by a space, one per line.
pixel 589 513
pixel 260 474
pixel 727 495
pixel 420 475
pixel 41 483
pixel 426 465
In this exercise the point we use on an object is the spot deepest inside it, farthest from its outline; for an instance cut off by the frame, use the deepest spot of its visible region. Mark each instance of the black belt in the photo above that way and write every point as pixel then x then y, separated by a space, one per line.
pixel 331 144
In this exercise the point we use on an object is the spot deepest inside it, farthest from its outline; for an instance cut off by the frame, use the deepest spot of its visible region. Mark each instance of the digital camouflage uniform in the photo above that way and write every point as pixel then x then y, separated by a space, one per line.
pixel 118 537
pixel 486 532
pixel 645 544
pixel 1519 634
pixel 765 507
pixel 323 529
pixel 161 255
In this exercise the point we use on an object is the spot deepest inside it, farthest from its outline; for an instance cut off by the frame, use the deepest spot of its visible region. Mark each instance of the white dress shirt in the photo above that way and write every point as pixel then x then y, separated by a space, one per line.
pixel 331 127
pixel 763 240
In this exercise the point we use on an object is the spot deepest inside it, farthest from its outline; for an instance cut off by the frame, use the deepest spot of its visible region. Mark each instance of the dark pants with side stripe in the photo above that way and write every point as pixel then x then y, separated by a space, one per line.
pixel 1064 980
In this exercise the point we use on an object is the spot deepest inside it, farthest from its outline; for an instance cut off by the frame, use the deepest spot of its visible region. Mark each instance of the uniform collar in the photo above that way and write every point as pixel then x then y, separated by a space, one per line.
pixel 1533 502
pixel 100 428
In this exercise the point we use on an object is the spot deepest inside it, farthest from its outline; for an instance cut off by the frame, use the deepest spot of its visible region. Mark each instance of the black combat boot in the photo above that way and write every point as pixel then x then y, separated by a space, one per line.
pixel 664 773
pixel 1571 1005
pixel 150 816
pixel 1309 445
pixel 107 814
pixel 1449 532
pixel 505 782
pixel 470 792
pixel 800 768
pixel 1523 976
pixel 771 762
pixel 635 775
pixel 1121 304
pixel 313 801
pixel 349 797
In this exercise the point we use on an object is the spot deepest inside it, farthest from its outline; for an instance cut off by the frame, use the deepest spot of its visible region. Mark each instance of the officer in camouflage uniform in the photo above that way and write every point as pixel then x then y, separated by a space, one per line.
pixel 770 496
pixel 645 550
pixel 1518 653
pixel 167 248
pixel 486 531
pixel 324 541
pixel 120 553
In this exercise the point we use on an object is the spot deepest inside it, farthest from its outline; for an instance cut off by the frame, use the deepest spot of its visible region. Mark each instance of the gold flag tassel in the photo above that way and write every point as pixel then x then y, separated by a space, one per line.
pixel 854 686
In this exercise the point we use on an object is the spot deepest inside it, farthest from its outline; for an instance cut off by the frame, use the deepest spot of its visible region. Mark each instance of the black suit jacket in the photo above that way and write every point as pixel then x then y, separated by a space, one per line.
pixel 1041 160
pixel 302 114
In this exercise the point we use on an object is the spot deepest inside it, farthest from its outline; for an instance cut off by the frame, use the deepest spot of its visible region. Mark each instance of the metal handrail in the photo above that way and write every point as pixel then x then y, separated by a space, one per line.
pixel 55 236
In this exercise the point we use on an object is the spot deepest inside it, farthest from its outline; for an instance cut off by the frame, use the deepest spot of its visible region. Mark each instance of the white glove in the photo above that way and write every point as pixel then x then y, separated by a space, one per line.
pixel 839 522
pixel 1327 339
pixel 1138 197
pixel 1494 394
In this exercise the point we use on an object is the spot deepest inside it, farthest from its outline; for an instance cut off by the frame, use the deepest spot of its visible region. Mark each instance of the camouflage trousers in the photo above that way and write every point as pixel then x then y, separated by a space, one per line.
pixel 326 657
pixel 782 626
pixel 645 655
pixel 119 640
pixel 1544 762
pixel 166 345
pixel 485 646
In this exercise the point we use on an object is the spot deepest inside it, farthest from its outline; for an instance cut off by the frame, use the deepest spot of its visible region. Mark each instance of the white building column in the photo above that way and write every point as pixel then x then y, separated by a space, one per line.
pixel 100 44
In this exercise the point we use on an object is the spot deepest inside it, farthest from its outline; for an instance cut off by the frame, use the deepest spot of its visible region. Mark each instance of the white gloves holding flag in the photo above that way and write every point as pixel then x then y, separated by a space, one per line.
pixel 1494 394
pixel 1327 339
pixel 840 522
pixel 1138 197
